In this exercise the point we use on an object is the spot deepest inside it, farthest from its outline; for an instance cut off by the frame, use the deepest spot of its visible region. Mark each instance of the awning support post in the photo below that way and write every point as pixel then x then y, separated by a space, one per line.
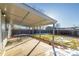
pixel 1 36
pixel 52 43
pixel 10 25
pixel 40 31
pixel 33 30
pixel 29 31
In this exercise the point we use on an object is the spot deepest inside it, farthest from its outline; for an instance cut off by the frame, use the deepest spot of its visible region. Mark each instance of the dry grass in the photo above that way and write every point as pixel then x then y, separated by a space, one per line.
pixel 65 41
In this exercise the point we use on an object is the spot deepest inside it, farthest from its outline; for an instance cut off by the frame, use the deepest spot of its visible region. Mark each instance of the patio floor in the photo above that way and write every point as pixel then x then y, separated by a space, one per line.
pixel 28 47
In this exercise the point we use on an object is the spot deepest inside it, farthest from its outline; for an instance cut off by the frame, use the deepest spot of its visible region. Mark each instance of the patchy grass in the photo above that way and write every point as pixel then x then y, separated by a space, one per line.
pixel 69 42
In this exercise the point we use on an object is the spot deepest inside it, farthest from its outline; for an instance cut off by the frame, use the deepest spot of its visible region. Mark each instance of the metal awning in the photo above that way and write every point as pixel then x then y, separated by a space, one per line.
pixel 22 14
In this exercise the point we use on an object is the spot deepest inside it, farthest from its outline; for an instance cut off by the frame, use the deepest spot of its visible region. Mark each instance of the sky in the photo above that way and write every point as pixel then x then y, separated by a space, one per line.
pixel 67 15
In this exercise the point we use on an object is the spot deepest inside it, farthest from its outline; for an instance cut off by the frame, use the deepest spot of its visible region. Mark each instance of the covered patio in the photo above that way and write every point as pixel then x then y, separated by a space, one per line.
pixel 22 14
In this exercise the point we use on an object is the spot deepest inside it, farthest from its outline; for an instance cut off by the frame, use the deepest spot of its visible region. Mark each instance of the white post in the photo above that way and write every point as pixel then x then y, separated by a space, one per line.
pixel 1 37
pixel 52 42
pixel 40 32
pixel 5 39
pixel 10 29
pixel 33 28
pixel 37 30
pixel 29 31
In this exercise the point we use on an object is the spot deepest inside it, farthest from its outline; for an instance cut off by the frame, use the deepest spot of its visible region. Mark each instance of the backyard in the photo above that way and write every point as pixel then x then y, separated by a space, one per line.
pixel 63 41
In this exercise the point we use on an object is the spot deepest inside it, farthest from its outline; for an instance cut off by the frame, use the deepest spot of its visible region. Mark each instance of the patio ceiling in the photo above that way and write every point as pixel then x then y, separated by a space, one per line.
pixel 22 14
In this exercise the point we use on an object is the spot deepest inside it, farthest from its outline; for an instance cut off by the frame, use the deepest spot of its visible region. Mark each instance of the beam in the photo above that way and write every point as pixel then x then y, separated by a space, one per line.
pixel 24 17
pixel 41 24
pixel 37 22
